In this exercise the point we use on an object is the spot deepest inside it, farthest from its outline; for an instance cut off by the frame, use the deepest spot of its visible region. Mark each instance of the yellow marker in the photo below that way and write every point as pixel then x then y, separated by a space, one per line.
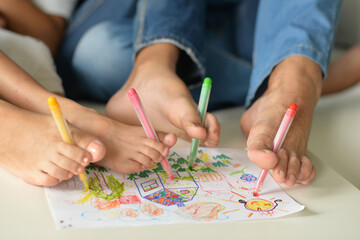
pixel 64 130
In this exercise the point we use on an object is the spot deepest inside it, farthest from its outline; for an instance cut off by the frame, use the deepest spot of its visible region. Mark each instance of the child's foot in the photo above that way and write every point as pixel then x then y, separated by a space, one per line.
pixel 167 102
pixel 343 73
pixel 129 150
pixel 127 147
pixel 260 122
pixel 32 148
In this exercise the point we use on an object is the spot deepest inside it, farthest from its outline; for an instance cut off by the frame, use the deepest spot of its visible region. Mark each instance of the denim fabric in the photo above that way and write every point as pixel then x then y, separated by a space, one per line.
pixel 285 28
pixel 219 39
pixel 95 57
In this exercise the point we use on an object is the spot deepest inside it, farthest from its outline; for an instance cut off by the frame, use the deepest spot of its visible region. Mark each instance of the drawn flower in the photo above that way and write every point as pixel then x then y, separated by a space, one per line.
pixel 205 157
pixel 248 177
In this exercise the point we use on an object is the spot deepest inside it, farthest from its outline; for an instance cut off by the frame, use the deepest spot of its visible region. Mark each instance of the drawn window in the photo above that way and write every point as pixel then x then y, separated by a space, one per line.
pixel 149 185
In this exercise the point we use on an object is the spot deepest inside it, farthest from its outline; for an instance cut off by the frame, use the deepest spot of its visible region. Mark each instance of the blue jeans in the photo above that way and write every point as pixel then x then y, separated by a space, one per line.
pixel 235 42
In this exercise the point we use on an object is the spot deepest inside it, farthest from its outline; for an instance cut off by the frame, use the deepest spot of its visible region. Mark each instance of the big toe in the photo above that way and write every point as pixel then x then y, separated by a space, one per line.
pixel 93 145
pixel 260 148
pixel 169 139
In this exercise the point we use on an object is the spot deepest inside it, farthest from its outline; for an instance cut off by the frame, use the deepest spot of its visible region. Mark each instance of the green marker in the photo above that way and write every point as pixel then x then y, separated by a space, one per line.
pixel 202 108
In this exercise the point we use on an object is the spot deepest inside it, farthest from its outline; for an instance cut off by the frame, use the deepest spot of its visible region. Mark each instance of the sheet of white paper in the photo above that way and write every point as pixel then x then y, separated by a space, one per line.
pixel 218 191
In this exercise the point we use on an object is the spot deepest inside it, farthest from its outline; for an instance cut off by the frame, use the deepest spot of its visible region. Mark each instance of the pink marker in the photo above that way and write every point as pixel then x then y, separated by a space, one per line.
pixel 149 130
pixel 278 140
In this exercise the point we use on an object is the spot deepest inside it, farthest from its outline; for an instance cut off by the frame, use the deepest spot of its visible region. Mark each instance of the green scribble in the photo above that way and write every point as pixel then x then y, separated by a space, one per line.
pixel 238 171
pixel 132 176
pixel 158 168
pixel 198 160
pixel 145 173
pixel 175 166
pixel 96 168
pixel 174 154
pixel 181 160
pixel 222 156
pixel 207 169
pixel 186 178
pixel 117 188
pixel 219 164
pixel 226 161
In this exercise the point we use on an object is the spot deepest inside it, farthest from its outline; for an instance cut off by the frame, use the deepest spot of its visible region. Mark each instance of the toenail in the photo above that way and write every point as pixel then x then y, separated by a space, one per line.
pixel 300 177
pixel 79 170
pixel 94 147
pixel 266 151
pixel 167 138
pixel 282 174
pixel 292 178
pixel 166 150
pixel 85 160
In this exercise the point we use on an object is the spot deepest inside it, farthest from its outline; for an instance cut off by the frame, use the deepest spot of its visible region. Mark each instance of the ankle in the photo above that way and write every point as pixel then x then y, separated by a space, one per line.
pixel 299 75
pixel 162 54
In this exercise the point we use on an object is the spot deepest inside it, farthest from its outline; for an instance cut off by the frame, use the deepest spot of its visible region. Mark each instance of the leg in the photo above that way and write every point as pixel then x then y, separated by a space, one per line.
pixel 102 59
pixel 343 73
pixel 87 21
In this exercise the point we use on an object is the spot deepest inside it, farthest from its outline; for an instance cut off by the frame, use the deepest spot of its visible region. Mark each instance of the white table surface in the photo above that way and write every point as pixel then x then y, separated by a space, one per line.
pixel 332 210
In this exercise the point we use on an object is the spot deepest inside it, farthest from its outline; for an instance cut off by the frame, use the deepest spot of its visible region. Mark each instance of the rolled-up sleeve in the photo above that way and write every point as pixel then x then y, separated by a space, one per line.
pixel 295 27
pixel 181 23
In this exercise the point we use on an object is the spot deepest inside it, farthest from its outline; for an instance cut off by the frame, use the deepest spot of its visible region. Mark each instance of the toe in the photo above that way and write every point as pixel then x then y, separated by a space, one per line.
pixel 293 169
pixel 306 168
pixel 168 139
pixel 260 147
pixel 94 146
pixel 280 170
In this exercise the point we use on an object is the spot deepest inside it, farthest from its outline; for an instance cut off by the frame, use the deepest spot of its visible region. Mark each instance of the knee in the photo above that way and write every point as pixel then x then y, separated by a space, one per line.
pixel 103 56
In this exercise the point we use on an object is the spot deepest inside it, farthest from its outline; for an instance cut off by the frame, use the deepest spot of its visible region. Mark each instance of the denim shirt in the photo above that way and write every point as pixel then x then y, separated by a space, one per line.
pixel 283 28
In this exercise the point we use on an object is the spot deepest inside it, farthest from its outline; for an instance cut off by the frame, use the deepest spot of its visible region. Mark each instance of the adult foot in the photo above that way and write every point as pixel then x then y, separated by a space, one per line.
pixel 32 148
pixel 165 97
pixel 295 80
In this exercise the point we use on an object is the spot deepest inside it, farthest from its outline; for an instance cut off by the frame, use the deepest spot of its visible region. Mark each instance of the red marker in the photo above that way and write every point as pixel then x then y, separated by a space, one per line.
pixel 278 140
pixel 149 130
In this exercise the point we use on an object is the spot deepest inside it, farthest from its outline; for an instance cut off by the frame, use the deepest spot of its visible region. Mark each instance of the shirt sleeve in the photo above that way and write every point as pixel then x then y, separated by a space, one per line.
pixel 62 8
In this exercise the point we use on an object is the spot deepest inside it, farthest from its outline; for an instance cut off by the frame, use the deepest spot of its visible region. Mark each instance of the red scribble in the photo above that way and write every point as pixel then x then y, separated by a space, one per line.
pixel 238 194
pixel 152 210
pixel 128 212
pixel 103 204
pixel 129 199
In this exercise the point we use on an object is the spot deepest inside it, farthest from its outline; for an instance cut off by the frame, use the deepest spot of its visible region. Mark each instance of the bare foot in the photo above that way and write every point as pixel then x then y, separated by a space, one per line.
pixel 127 147
pixel 165 97
pixel 343 73
pixel 295 80
pixel 32 148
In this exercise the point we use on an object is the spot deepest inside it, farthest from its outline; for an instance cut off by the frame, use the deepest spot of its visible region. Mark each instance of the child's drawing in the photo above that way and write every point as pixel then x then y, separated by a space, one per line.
pixel 217 189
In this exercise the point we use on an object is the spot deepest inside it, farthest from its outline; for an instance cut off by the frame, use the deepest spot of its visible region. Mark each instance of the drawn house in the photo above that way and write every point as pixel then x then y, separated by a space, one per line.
pixel 166 192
